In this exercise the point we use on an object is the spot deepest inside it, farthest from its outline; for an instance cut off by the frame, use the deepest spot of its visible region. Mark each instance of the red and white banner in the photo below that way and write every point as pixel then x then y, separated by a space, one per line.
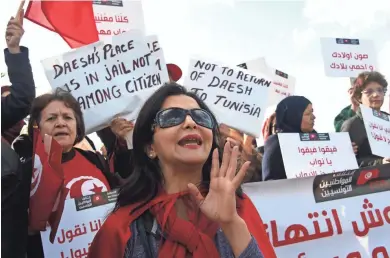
pixel 317 217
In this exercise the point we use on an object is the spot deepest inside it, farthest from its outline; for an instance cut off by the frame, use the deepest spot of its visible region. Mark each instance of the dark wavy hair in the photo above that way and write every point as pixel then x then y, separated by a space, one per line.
pixel 59 94
pixel 364 79
pixel 143 183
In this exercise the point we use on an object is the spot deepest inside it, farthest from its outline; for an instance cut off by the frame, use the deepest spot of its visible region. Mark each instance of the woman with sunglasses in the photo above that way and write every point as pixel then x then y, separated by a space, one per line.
pixel 179 201
pixel 370 91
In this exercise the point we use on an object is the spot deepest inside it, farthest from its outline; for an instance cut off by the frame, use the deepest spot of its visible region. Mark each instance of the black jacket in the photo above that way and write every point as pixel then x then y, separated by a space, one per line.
pixel 16 106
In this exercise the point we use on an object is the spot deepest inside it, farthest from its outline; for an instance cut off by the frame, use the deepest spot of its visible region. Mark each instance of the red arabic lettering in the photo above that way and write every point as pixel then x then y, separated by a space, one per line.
pixel 343 66
pixel 349 56
pixel 118 18
pixel 78 231
pixel 375 252
pixel 78 253
pixel 380 137
pixel 298 233
pixel 371 221
pixel 321 162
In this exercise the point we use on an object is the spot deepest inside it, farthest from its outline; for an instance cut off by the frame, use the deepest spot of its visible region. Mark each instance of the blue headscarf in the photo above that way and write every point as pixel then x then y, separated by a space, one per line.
pixel 289 113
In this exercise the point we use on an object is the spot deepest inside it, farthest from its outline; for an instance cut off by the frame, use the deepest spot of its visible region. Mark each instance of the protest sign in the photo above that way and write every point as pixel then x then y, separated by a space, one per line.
pixel 377 126
pixel 348 57
pixel 311 154
pixel 320 214
pixel 236 96
pixel 81 219
pixel 108 79
pixel 283 84
pixel 117 16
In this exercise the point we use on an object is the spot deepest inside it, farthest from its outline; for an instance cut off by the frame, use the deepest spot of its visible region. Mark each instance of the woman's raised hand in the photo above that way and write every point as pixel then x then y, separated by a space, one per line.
pixel 220 203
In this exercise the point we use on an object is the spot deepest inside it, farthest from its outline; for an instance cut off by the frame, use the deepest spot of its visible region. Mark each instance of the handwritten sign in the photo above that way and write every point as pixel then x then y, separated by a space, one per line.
pixel 283 84
pixel 377 126
pixel 115 17
pixel 356 225
pixel 236 96
pixel 81 220
pixel 312 154
pixel 348 57
pixel 108 79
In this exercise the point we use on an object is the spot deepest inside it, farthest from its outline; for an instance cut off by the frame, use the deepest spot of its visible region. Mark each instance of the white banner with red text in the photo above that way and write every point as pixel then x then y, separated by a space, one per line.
pixel 311 154
pixel 377 126
pixel 81 219
pixel 348 57
pixel 115 17
pixel 316 217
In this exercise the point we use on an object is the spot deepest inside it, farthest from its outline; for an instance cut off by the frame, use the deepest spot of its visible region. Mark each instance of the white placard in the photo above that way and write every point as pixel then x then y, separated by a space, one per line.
pixel 348 57
pixel 81 219
pixel 115 17
pixel 283 84
pixel 238 97
pixel 312 154
pixel 108 80
pixel 377 126
pixel 301 223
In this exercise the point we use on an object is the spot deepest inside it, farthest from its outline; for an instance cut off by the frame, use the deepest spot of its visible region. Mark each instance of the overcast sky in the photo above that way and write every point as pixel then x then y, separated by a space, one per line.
pixel 286 33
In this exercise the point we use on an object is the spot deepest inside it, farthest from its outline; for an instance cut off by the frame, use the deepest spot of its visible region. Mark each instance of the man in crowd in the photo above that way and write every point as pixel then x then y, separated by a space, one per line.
pixel 15 106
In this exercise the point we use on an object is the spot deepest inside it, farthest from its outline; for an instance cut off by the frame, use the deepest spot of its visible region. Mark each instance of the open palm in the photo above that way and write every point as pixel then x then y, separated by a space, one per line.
pixel 220 203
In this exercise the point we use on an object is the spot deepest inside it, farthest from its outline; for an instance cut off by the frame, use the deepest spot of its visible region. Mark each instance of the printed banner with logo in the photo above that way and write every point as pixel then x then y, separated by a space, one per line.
pixel 81 219
pixel 113 17
pixel 348 57
pixel 377 126
pixel 343 215
pixel 311 154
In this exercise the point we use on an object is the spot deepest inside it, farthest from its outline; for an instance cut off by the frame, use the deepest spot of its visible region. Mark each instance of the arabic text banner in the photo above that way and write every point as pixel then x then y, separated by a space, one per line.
pixel 108 79
pixel 115 17
pixel 302 216
pixel 377 126
pixel 238 97
pixel 283 84
pixel 311 154
pixel 348 57
pixel 81 219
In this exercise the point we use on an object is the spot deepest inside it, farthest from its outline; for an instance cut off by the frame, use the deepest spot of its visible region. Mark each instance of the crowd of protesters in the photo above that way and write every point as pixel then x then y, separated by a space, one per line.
pixel 182 162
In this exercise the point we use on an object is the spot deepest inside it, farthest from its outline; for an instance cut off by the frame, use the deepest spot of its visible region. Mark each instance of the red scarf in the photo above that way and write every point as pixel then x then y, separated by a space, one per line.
pixel 183 237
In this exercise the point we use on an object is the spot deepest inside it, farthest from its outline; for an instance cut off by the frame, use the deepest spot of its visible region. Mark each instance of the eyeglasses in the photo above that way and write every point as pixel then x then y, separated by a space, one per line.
pixel 174 116
pixel 379 91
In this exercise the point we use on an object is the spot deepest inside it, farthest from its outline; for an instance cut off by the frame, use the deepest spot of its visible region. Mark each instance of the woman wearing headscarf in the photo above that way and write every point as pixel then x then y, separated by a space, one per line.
pixel 178 201
pixel 294 114
pixel 370 92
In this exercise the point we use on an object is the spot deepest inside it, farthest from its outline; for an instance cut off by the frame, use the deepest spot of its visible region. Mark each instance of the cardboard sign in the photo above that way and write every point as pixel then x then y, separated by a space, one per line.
pixel 377 126
pixel 81 220
pixel 117 16
pixel 238 97
pixel 108 79
pixel 304 216
pixel 283 84
pixel 311 154
pixel 348 57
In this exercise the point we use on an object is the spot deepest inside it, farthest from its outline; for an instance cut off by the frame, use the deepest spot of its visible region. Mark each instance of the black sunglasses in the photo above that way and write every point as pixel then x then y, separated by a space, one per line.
pixel 174 116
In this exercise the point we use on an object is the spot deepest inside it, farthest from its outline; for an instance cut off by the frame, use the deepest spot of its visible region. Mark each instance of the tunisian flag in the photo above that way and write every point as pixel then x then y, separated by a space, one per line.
pixel 46 184
pixel 73 20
